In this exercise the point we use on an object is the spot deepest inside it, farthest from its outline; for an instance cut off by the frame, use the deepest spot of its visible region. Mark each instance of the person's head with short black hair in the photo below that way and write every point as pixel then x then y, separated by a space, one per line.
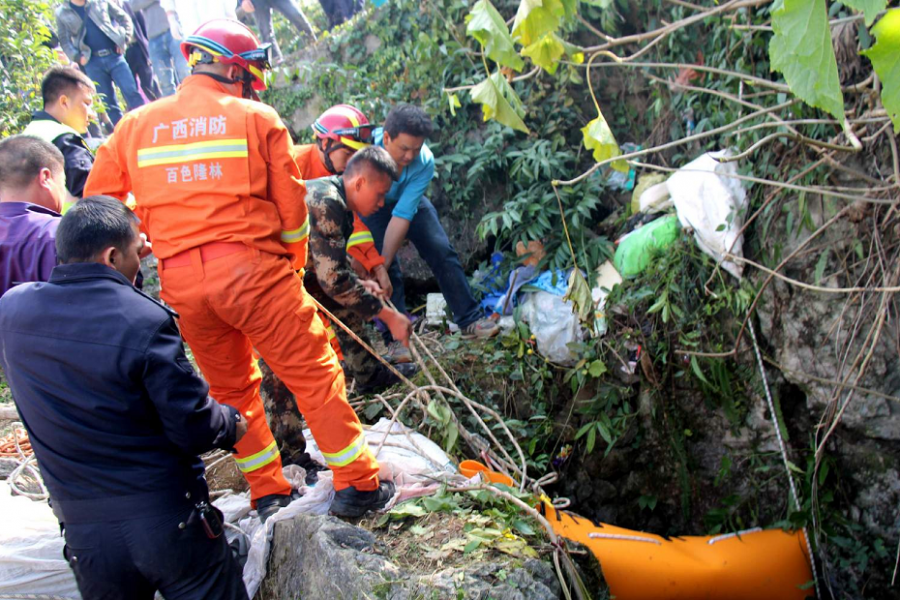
pixel 405 131
pixel 367 178
pixel 32 170
pixel 408 119
pixel 68 96
pixel 101 229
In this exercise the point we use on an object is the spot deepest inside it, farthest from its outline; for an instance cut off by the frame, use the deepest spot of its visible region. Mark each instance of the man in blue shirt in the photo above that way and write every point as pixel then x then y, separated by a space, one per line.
pixel 408 214
pixel 95 35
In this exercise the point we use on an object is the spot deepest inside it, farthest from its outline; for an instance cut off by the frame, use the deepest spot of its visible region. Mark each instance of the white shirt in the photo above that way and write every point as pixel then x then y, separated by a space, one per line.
pixel 191 14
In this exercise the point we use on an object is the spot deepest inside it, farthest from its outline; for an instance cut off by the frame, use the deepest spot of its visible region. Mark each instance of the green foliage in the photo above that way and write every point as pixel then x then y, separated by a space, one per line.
pixel 487 26
pixel 599 138
pixel 499 101
pixel 546 52
pixel 491 522
pixel 870 8
pixel 801 49
pixel 24 59
pixel 537 18
pixel 885 57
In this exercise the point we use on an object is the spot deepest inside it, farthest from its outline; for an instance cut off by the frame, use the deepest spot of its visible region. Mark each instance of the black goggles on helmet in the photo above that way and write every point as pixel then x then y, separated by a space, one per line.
pixel 261 56
pixel 362 133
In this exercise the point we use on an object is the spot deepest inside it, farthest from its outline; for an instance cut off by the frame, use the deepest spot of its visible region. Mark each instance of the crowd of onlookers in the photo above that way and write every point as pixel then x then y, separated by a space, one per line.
pixel 134 45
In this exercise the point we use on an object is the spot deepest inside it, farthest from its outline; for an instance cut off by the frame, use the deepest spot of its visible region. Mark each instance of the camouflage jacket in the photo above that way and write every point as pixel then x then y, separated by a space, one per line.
pixel 330 226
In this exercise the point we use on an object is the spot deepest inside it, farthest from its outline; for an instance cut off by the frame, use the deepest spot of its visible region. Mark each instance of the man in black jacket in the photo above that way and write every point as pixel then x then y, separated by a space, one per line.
pixel 68 96
pixel 117 418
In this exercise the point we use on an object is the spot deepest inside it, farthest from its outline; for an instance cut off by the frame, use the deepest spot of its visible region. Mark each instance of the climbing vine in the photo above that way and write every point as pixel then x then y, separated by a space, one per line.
pixel 24 58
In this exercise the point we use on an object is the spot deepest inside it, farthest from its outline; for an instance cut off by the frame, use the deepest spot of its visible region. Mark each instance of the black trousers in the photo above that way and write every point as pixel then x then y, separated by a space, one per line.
pixel 133 559
pixel 138 62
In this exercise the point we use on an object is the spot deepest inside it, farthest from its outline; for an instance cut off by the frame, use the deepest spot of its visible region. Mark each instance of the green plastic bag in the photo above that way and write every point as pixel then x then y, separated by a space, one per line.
pixel 636 251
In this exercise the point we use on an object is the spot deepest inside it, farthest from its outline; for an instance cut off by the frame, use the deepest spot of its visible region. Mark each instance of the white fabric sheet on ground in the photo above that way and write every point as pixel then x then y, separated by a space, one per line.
pixel 415 464
pixel 31 550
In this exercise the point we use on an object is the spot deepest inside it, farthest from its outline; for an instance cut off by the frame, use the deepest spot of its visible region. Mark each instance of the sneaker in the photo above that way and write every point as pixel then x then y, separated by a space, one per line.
pixel 350 502
pixel 481 329
pixel 384 378
pixel 271 504
pixel 397 354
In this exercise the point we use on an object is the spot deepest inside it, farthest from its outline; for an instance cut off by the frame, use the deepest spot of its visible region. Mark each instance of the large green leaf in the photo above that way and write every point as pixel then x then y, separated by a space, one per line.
pixel 536 18
pixel 870 8
pixel 604 4
pixel 487 26
pixel 599 138
pixel 801 49
pixel 546 52
pixel 499 102
pixel 885 57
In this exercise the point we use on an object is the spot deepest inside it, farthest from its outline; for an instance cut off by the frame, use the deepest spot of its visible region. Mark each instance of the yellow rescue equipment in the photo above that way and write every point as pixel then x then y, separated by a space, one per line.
pixel 751 565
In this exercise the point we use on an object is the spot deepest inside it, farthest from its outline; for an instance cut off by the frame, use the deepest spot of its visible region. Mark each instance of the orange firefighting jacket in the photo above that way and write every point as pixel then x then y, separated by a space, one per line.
pixel 206 166
pixel 361 244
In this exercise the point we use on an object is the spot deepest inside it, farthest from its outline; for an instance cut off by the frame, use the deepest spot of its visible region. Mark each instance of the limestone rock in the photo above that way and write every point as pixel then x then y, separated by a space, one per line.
pixel 325 558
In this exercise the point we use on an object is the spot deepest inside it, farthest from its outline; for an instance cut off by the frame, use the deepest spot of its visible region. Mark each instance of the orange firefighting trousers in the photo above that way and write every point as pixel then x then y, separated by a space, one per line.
pixel 231 304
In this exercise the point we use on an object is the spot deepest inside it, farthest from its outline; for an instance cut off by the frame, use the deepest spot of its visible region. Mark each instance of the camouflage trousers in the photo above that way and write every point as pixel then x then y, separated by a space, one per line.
pixel 282 413
pixel 359 364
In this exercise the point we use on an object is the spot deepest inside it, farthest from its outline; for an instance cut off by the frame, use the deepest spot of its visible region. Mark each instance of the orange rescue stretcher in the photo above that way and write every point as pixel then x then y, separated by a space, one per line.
pixel 749 565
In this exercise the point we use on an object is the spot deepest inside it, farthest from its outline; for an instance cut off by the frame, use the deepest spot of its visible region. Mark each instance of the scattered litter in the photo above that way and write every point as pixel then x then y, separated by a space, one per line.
pixel 648 181
pixel 554 325
pixel 607 278
pixel 655 199
pixel 534 250
pixel 435 309
pixel 711 202
pixel 637 249
pixel 553 282
pixel 518 278
pixel 619 180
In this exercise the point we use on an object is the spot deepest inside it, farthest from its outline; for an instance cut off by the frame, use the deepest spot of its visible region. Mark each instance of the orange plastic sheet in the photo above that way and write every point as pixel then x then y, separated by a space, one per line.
pixel 752 565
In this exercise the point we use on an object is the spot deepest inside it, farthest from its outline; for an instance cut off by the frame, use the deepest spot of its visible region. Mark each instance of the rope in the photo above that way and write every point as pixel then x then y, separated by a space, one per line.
pixel 24 459
pixel 737 534
pixel 623 537
pixel 784 456
pixel 422 392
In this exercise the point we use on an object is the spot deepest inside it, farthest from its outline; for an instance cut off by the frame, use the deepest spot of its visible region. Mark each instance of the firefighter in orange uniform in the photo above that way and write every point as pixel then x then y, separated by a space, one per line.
pixel 216 190
pixel 340 132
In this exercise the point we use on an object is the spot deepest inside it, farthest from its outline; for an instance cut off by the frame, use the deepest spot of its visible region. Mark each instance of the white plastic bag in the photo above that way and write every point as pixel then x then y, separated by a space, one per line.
pixel 711 202
pixel 31 551
pixel 554 325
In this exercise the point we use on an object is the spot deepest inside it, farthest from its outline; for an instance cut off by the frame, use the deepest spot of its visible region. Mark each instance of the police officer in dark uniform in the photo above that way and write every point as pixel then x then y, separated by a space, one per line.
pixel 117 418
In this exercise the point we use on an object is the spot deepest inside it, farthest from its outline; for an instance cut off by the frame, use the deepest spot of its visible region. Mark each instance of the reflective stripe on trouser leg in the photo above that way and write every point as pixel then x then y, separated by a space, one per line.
pixel 292 340
pixel 349 454
pixel 225 357
pixel 258 460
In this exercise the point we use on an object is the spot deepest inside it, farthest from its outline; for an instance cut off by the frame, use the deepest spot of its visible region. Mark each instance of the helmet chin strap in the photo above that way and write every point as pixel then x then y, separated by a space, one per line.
pixel 327 150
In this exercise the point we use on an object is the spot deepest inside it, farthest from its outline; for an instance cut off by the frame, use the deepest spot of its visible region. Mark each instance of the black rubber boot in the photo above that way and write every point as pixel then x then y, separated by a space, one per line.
pixel 384 378
pixel 271 504
pixel 350 502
